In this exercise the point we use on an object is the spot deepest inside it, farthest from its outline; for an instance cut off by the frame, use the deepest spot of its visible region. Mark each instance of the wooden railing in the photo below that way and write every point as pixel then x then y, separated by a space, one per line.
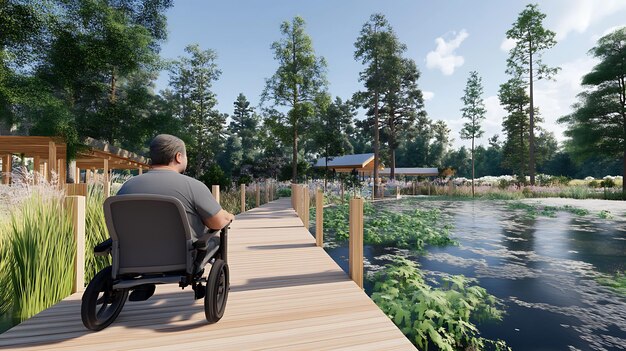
pixel 300 200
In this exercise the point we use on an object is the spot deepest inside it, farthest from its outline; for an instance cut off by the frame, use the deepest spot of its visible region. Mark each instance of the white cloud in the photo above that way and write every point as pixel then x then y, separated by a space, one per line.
pixel 443 57
pixel 580 14
pixel 507 45
pixel 428 95
pixel 610 30
pixel 555 98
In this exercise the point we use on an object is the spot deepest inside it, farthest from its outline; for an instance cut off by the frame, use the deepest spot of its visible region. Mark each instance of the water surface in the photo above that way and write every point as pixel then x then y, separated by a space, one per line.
pixel 544 270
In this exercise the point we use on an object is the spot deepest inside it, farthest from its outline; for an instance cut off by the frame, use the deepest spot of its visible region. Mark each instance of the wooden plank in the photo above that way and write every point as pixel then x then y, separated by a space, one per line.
pixel 277 273
pixel 105 178
pixel 52 160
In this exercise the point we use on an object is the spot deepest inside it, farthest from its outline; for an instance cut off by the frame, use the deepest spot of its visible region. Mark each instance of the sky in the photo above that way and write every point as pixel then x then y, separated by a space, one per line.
pixel 447 39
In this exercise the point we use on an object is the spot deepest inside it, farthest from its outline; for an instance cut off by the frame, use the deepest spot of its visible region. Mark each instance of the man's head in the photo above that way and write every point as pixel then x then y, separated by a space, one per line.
pixel 168 150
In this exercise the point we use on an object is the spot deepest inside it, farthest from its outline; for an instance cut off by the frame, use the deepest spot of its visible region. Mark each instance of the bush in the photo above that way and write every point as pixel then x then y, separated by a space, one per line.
pixel 245 179
pixel 284 192
pixel 215 176
pixel 607 183
pixel 594 184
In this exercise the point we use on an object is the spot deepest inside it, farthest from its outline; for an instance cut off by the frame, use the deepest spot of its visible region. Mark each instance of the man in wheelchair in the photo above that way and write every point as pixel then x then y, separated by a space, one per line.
pixel 164 226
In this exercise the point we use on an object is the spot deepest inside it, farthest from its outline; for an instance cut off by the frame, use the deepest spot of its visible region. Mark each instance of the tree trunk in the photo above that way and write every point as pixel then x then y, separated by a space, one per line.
pixel 376 136
pixel 294 159
pixel 392 155
pixel 113 81
pixel 531 145
pixel 472 167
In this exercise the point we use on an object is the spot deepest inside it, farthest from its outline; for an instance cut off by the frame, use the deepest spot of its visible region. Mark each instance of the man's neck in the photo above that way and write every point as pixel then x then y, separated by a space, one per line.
pixel 165 168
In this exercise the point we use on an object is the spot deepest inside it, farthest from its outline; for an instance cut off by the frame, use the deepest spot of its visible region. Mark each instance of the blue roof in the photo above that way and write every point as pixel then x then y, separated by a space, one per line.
pixel 357 161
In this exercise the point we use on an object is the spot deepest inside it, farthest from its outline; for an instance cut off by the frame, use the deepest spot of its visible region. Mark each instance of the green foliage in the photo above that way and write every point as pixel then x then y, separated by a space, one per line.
pixel 604 214
pixel 616 282
pixel 532 211
pixel 299 79
pixel 474 108
pixel 95 231
pixel 36 257
pixel 215 176
pixel 435 316
pixel 284 192
pixel 412 229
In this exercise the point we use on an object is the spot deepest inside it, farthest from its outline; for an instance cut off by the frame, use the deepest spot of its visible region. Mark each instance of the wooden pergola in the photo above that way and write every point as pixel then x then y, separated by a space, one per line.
pixel 49 156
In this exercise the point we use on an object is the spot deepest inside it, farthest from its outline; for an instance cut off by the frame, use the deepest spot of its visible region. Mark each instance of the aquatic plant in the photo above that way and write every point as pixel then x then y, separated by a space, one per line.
pixel 411 229
pixel 435 316
pixel 616 282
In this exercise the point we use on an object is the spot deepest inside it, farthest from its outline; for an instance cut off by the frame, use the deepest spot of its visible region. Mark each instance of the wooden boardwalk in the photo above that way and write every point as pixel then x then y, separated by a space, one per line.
pixel 286 294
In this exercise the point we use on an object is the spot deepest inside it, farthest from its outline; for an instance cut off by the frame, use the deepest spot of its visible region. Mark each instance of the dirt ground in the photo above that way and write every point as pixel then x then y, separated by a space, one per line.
pixel 617 208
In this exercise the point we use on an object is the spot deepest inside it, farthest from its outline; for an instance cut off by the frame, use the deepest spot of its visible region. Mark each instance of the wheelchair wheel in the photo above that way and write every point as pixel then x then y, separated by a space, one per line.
pixel 100 303
pixel 216 292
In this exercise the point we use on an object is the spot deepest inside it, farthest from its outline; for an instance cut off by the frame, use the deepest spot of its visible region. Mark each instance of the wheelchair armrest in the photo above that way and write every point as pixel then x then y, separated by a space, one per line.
pixel 204 241
pixel 104 248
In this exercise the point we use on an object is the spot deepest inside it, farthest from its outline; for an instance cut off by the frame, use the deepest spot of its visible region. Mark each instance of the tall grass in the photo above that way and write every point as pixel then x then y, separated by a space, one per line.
pixel 37 253
pixel 95 231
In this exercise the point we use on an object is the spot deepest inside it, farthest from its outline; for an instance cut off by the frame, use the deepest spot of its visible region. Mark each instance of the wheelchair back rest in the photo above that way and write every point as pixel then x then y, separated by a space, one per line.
pixel 150 234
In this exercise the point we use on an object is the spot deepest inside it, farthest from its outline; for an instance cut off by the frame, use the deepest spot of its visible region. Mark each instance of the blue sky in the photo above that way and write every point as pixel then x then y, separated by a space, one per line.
pixel 447 40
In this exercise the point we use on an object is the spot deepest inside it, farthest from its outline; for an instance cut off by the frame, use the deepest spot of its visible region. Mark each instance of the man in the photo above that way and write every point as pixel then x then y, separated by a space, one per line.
pixel 169 161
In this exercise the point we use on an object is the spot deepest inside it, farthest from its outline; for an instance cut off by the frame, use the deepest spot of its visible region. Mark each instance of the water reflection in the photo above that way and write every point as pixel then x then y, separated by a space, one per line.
pixel 544 269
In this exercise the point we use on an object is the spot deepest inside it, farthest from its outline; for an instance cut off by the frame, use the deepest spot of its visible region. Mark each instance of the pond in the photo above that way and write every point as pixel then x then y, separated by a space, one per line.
pixel 545 270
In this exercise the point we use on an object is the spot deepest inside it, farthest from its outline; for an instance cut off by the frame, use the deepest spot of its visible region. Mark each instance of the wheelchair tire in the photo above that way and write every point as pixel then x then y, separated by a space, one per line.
pixel 100 303
pixel 216 291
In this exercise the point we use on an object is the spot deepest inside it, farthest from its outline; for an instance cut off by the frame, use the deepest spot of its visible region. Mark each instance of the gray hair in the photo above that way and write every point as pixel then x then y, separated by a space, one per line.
pixel 163 149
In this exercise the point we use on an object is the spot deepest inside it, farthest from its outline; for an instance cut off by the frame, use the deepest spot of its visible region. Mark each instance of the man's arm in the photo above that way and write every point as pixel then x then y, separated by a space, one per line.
pixel 219 221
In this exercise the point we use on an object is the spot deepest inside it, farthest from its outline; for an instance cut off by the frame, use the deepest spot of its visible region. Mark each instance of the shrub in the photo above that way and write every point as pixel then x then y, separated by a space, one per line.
pixel 607 183
pixel 284 192
pixel 594 184
pixel 215 176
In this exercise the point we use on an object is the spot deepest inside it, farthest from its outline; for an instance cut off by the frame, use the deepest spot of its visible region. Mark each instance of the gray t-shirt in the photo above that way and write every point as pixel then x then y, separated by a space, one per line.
pixel 197 200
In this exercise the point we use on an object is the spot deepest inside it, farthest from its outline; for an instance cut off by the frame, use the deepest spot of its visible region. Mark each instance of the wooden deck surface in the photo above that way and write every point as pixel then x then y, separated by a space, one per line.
pixel 286 294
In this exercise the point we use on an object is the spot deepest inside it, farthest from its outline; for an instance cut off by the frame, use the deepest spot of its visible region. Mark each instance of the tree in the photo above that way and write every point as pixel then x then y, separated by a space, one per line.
pixel 332 125
pixel 441 143
pixel 516 126
pixel 245 123
pixel 402 104
pixel 597 127
pixel 525 62
pixel 300 77
pixel 191 79
pixel 378 48
pixel 474 110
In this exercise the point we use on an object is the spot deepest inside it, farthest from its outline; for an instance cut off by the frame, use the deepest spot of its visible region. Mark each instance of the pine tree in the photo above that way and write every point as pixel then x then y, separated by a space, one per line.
pixel 473 110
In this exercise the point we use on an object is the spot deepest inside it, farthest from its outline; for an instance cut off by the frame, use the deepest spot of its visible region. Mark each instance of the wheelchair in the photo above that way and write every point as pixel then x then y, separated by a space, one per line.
pixel 151 243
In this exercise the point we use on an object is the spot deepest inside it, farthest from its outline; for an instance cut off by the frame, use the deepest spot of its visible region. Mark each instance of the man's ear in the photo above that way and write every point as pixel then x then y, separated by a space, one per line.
pixel 179 157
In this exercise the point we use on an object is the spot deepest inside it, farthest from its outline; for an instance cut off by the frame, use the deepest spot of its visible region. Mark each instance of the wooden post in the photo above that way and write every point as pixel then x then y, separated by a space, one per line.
pixel 293 196
pixel 267 192
pixel 215 190
pixel 397 191
pixel 258 195
pixel 242 188
pixel 319 218
pixel 105 179
pixel 52 159
pixel 76 204
pixel 36 169
pixel 77 176
pixel 356 241
pixel 140 170
pixel 307 206
pixel 6 169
